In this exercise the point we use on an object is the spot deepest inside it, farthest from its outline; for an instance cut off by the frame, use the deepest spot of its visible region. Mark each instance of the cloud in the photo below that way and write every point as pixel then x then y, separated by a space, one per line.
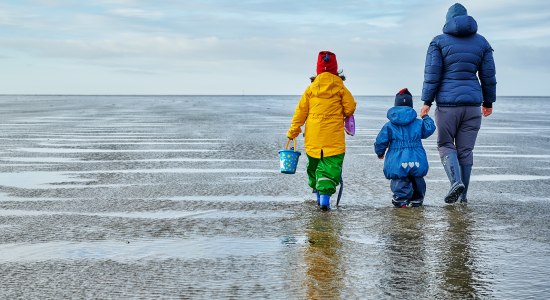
pixel 137 13
pixel 124 45
pixel 380 44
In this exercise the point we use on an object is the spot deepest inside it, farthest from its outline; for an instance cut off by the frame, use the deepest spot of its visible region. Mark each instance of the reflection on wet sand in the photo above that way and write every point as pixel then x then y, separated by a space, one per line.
pixel 324 272
pixel 80 176
pixel 405 262
pixel 458 258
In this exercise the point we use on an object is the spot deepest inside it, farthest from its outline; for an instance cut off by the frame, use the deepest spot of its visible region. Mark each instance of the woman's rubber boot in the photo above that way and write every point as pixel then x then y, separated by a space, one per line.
pixel 325 202
pixel 466 172
pixel 452 168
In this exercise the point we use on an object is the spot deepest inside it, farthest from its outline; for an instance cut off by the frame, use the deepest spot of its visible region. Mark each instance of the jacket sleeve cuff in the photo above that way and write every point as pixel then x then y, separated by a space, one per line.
pixel 429 103
pixel 488 104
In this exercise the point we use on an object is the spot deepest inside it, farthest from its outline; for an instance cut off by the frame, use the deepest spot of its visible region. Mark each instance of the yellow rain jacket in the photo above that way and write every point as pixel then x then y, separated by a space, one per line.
pixel 323 107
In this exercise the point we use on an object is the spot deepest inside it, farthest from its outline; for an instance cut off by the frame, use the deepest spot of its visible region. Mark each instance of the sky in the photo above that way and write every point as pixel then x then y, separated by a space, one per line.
pixel 250 47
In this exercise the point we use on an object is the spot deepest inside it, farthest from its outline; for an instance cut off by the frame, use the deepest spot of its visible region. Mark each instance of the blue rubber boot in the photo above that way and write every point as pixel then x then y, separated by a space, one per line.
pixel 318 196
pixel 452 168
pixel 466 172
pixel 325 202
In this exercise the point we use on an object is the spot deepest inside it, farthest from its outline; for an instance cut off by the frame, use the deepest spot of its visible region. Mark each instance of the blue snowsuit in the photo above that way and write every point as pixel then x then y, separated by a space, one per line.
pixel 405 161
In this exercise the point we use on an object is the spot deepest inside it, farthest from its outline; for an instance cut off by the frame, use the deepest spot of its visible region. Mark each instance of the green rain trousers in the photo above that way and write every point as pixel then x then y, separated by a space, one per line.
pixel 324 173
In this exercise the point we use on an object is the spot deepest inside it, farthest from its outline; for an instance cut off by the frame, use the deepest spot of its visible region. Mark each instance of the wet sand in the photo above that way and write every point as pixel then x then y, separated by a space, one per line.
pixel 181 197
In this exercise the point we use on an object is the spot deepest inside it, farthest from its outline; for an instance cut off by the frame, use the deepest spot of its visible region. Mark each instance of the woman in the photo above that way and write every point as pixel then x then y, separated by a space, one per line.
pixel 460 76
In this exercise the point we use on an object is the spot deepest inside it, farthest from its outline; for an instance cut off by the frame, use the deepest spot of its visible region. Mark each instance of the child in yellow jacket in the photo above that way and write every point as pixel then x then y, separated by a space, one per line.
pixel 323 107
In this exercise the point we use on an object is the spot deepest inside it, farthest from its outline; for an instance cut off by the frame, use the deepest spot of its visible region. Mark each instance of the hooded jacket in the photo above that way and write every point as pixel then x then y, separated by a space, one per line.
pixel 454 61
pixel 402 136
pixel 323 107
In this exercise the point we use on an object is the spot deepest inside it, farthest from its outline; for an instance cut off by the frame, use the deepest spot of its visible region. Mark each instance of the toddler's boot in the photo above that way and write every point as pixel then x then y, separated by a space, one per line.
pixel 416 203
pixel 452 168
pixel 324 202
pixel 400 203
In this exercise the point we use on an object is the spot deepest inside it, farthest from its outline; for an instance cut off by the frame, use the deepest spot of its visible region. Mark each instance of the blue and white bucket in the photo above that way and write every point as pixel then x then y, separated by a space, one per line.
pixel 289 159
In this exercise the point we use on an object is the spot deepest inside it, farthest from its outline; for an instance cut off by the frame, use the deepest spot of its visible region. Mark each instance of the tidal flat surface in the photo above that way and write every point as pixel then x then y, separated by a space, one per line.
pixel 117 197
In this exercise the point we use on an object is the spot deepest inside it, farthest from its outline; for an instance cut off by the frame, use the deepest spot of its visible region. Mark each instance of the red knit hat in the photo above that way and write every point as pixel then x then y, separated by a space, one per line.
pixel 326 62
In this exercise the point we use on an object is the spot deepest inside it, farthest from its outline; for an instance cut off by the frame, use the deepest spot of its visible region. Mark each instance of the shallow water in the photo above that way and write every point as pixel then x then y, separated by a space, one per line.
pixel 181 197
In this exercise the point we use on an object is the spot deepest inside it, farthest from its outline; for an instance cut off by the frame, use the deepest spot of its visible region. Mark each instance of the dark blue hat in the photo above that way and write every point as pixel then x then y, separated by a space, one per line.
pixel 404 98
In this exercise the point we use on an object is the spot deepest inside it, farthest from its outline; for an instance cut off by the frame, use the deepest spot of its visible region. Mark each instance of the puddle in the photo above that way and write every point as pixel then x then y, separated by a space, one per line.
pixel 169 214
pixel 513 155
pixel 247 179
pixel 43 179
pixel 40 159
pixel 70 150
pixel 39 180
pixel 365 240
pixel 143 249
pixel 180 170
pixel 154 215
pixel 498 178
pixel 74 160
pixel 88 144
pixel 505 177
pixel 231 198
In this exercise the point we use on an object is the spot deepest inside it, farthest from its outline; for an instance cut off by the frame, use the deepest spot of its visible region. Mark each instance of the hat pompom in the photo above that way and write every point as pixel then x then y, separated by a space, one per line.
pixel 326 62
pixel 404 91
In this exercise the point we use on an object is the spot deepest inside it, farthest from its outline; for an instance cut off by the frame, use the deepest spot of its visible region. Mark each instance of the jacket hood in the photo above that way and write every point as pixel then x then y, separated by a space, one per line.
pixel 326 85
pixel 456 9
pixel 401 115
pixel 460 26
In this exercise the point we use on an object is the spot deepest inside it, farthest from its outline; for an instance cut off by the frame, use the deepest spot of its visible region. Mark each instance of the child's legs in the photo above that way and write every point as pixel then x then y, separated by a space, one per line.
pixel 419 190
pixel 402 189
pixel 328 174
pixel 311 169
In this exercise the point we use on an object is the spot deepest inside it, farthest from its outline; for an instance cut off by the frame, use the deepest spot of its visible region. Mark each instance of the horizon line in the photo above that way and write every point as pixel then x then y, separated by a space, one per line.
pixel 223 95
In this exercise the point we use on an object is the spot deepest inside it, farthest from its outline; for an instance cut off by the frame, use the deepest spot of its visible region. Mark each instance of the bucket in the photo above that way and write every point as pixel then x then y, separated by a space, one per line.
pixel 289 159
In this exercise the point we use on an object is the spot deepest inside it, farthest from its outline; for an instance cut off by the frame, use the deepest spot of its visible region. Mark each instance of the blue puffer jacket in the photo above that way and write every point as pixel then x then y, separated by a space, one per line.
pixel 402 137
pixel 454 60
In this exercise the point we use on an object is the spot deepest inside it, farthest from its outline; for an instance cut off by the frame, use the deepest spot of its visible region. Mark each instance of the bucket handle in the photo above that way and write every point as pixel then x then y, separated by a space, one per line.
pixel 288 143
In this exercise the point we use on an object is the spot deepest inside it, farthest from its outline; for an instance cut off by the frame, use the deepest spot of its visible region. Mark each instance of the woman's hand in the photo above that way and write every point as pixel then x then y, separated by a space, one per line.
pixel 486 111
pixel 424 110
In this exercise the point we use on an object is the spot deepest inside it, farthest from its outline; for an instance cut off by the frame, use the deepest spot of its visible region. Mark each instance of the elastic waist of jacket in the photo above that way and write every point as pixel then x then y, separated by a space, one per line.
pixel 451 104
pixel 325 116
pixel 401 145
